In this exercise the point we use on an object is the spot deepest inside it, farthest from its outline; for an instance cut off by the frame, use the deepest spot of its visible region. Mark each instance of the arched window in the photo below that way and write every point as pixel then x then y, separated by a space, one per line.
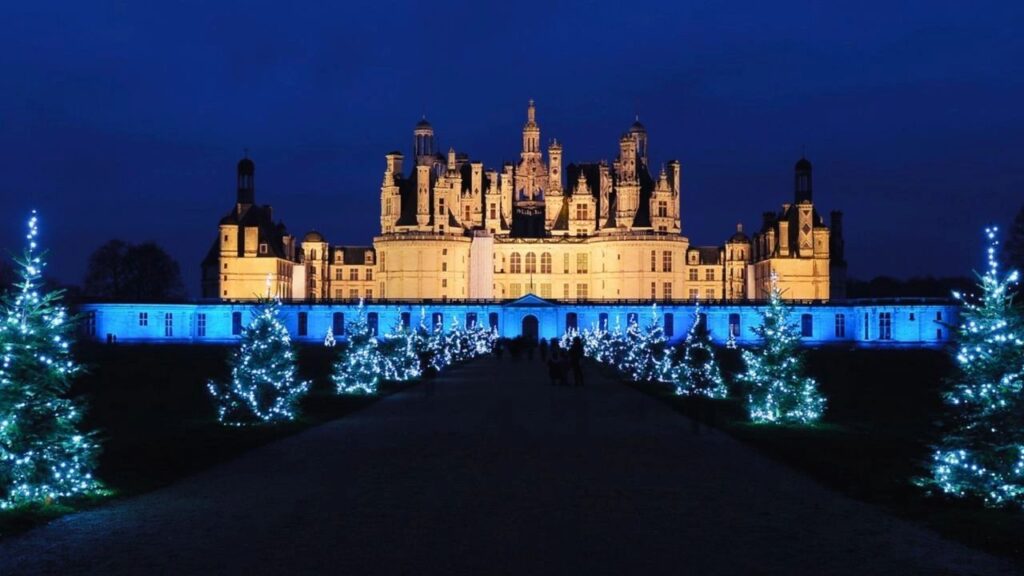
pixel 545 263
pixel 531 263
pixel 602 321
pixel 670 325
pixel 515 263
pixel 492 319
pixel 437 319
pixel 470 319
pixel 406 319
pixel 571 320
pixel 338 323
pixel 371 321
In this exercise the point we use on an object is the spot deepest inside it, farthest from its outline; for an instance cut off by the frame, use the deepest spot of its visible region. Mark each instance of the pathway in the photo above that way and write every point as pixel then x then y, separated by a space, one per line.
pixel 494 472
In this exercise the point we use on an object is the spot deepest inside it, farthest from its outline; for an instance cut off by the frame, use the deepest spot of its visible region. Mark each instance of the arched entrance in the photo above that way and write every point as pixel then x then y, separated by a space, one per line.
pixel 531 328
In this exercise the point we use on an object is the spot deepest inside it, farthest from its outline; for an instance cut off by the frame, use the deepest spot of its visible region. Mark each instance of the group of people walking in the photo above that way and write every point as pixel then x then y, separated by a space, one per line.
pixel 560 362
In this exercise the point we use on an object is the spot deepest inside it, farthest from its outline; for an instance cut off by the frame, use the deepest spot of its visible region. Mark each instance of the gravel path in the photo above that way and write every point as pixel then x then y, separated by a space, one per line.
pixel 492 471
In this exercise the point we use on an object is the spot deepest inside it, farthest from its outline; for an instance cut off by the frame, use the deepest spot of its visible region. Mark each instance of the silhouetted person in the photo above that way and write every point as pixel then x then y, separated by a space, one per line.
pixel 543 347
pixel 499 349
pixel 576 360
pixel 530 345
pixel 554 370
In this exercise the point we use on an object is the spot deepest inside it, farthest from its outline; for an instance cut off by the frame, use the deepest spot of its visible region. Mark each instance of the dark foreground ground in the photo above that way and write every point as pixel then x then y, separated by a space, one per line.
pixel 489 470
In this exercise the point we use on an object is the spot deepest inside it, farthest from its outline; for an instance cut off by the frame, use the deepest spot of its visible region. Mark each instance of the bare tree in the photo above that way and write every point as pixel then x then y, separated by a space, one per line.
pixel 143 272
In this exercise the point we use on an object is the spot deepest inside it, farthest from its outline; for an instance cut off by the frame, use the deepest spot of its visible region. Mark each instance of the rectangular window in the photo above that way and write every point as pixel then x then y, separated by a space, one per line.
pixel 938 316
pixel 339 294
pixel 867 327
pixel 236 323
pixel 666 288
pixel 581 291
pixel 369 273
pixel 694 293
pixel 734 325
pixel 693 274
pixel 709 294
pixel 654 291
pixel 663 209
pixel 840 326
pixel 339 274
pixel 440 205
pixel 885 326
pixel 369 294
pixel 263 248
pixel 168 324
pixel 545 290
pixel 143 318
pixel 444 282
pixel 353 294
pixel 670 325
pixel 371 322
pixel 444 266
pixel 654 261
pixel 911 316
pixel 565 291
pixel 565 260
pixel 515 290
pixel 709 274
pixel 493 214
pixel 200 325
pixel 303 323
pixel 581 264
pixel 806 326
pixel 666 261
pixel 571 321
pixel 353 274
pixel 338 323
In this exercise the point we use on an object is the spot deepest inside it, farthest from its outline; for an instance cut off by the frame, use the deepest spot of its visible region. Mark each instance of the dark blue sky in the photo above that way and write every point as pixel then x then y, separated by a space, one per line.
pixel 126 119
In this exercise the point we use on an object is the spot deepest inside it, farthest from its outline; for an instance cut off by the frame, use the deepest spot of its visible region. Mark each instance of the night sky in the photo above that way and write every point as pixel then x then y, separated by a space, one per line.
pixel 126 119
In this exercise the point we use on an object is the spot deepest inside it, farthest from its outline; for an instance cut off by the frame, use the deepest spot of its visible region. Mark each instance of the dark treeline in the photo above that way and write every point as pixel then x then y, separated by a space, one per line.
pixel 921 287
pixel 132 273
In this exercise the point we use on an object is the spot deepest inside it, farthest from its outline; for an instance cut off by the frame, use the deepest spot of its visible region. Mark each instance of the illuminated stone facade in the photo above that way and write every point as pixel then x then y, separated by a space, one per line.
pixel 452 229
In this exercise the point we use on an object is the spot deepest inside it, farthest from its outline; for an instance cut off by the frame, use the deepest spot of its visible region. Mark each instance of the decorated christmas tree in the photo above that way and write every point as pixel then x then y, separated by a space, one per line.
pixel 361 365
pixel 645 348
pixel 777 390
pixel 699 374
pixel 982 453
pixel 329 340
pixel 43 455
pixel 264 387
pixel 400 355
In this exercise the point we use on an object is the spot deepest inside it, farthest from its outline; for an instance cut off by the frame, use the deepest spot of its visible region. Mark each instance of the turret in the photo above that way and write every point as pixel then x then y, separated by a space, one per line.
pixel 555 167
pixel 639 135
pixel 423 143
pixel 802 181
pixel 531 132
pixel 246 182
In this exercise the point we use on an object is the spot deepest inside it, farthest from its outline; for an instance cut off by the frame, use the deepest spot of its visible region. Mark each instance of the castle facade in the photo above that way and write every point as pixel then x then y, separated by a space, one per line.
pixel 452 229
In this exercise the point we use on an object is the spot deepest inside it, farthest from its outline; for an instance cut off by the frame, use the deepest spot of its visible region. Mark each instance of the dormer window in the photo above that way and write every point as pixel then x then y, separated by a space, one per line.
pixel 263 247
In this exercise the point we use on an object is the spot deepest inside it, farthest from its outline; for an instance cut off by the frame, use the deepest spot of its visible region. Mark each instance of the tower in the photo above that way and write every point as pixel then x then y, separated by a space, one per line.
pixel 246 184
pixel 639 135
pixel 802 181
pixel 531 133
pixel 423 143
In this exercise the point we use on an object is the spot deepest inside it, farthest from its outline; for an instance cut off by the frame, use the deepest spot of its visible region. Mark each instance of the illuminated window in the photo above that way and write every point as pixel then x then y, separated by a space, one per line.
pixel 531 263
pixel 440 205
pixel 709 293
pixel 339 274
pixel 565 291
pixel 654 261
pixel 663 209
pixel 581 263
pixel 369 294
pixel 353 294
pixel 693 274
pixel 885 326
pixel 565 261
pixel 353 274
pixel 545 290
pixel 444 266
pixel 709 274
pixel 494 213
pixel 515 290
pixel 581 291
pixel 654 291
pixel 582 212
pixel 545 263
pixel 693 293
pixel 515 263
pixel 666 288
pixel 444 283
pixel 369 273
pixel 666 261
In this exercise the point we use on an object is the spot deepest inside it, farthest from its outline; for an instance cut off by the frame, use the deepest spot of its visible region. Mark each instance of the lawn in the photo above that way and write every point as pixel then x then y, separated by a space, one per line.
pixel 154 419
pixel 884 407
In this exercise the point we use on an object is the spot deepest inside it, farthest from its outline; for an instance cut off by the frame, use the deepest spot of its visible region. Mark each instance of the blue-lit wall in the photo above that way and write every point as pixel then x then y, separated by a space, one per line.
pixel 907 324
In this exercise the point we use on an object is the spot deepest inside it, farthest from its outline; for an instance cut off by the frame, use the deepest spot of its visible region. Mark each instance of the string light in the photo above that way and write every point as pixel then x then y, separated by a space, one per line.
pixel 263 387
pixel 698 374
pixel 43 456
pixel 982 454
pixel 777 390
